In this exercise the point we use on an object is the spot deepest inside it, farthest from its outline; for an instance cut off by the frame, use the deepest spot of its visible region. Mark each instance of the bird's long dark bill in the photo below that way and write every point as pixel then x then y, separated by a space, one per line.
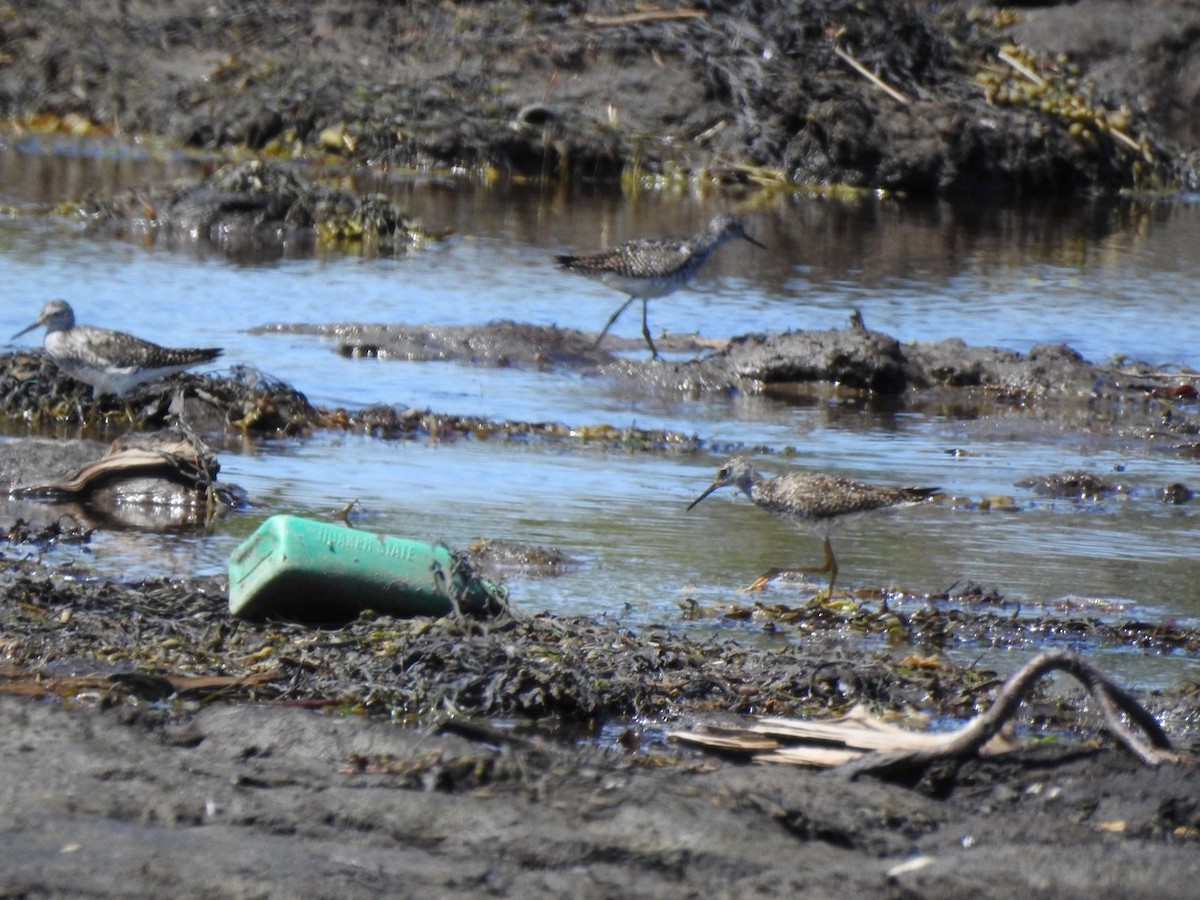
pixel 711 488
pixel 754 242
pixel 26 330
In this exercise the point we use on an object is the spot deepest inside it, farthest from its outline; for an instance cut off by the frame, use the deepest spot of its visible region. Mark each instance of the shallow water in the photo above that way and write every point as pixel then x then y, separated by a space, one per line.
pixel 1107 280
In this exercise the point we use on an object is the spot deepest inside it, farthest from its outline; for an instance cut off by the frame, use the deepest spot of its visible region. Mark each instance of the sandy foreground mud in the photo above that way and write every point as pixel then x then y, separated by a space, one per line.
pixel 154 746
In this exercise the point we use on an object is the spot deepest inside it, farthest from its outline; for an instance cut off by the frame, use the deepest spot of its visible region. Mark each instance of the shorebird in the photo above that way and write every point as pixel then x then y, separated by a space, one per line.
pixel 112 362
pixel 810 499
pixel 653 267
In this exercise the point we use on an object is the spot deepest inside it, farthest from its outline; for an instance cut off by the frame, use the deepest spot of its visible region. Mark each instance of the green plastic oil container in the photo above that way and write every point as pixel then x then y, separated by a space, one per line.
pixel 309 571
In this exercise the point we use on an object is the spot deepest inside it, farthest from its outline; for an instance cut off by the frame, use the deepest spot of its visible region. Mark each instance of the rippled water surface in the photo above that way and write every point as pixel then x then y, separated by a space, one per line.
pixel 1109 281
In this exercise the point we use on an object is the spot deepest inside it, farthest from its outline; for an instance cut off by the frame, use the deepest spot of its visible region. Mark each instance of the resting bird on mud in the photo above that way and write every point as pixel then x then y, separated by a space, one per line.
pixel 653 267
pixel 112 362
pixel 810 499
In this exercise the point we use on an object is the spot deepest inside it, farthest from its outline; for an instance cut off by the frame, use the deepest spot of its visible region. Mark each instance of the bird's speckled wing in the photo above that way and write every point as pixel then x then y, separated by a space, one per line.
pixel 84 347
pixel 638 259
pixel 805 496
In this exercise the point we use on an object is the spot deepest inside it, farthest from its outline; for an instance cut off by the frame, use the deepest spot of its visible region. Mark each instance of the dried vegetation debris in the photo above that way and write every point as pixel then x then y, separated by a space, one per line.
pixel 33 389
pixel 62 530
pixel 168 637
pixel 255 209
pixel 249 401
pixel 880 95
pixel 575 669
pixel 392 423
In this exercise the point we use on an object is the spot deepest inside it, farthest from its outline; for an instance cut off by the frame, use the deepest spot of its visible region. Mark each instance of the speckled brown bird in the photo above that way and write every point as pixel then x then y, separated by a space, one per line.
pixel 653 267
pixel 810 500
pixel 112 362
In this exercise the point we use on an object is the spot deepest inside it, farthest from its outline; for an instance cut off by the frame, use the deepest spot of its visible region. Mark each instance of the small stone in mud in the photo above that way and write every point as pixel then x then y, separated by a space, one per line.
pixel 1176 493
pixel 971 592
pixel 1074 484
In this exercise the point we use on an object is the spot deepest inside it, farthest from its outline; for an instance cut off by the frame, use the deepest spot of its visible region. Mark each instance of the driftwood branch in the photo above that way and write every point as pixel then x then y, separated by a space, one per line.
pixel 858 744
pixel 1111 700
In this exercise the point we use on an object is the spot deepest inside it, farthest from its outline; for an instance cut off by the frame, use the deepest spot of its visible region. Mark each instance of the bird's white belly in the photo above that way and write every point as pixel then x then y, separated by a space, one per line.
pixel 639 287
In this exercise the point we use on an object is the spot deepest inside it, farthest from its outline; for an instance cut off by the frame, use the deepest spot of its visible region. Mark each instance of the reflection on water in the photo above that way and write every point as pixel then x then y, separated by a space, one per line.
pixel 1107 279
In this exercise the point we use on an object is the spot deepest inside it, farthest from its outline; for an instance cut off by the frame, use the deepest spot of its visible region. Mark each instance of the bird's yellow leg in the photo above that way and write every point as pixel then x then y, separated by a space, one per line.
pixel 94 418
pixel 609 324
pixel 830 565
pixel 761 581
pixel 646 332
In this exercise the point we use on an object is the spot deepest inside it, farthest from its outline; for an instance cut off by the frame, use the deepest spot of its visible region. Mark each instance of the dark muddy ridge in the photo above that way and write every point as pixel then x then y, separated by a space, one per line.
pixel 916 98
pixel 1143 404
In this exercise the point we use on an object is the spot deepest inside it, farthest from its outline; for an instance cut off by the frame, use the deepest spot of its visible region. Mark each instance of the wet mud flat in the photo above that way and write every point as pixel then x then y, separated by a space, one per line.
pixel 154 744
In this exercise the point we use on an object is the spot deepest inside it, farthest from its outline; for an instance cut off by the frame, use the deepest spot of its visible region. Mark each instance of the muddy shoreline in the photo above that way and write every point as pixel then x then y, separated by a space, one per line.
pixel 916 98
pixel 153 745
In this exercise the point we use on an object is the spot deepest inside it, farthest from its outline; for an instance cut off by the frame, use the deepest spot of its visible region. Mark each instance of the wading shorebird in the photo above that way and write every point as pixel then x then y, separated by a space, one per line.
pixel 112 362
pixel 810 500
pixel 653 267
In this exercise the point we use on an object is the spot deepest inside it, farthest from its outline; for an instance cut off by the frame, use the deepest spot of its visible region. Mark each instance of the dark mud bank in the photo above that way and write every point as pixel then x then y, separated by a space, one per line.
pixel 219 758
pixel 924 99
pixel 1127 401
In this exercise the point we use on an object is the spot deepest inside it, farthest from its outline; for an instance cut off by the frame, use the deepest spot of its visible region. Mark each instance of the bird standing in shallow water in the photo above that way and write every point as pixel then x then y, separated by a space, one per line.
pixel 112 362
pixel 810 499
pixel 653 267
